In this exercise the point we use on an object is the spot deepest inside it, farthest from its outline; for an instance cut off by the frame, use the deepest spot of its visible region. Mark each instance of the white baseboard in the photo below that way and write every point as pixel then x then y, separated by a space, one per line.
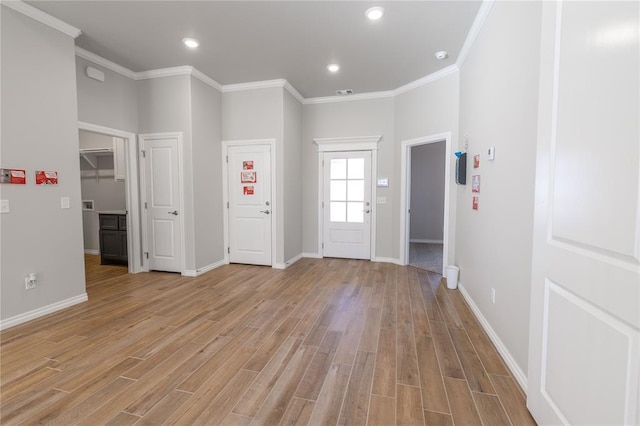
pixel 519 375
pixel 40 312
pixel 90 251
pixel 312 255
pixel 387 260
pixel 418 240
pixel 288 262
pixel 197 272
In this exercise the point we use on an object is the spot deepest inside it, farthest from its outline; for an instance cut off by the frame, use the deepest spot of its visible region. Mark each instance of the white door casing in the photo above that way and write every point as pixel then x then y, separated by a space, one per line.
pixel 250 197
pixel 584 347
pixel 163 201
pixel 347 204
pixel 346 144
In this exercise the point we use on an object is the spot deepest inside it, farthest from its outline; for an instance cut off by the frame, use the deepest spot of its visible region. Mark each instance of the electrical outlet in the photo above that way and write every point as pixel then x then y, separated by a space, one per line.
pixel 493 295
pixel 29 284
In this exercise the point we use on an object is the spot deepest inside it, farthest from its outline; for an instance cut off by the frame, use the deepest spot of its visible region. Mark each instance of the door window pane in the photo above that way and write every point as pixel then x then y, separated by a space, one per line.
pixel 356 168
pixel 338 190
pixel 356 190
pixel 338 212
pixel 338 168
pixel 355 213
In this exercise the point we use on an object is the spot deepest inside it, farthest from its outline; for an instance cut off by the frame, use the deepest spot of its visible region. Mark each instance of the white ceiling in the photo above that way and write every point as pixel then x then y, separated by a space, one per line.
pixel 245 41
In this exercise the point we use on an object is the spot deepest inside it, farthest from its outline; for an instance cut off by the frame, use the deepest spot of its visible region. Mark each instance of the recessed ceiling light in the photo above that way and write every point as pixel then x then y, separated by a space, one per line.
pixel 374 13
pixel 190 42
pixel 333 67
pixel 442 54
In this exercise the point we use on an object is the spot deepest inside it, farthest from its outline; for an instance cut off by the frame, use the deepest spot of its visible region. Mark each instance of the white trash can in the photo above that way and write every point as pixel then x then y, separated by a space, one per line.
pixel 452 276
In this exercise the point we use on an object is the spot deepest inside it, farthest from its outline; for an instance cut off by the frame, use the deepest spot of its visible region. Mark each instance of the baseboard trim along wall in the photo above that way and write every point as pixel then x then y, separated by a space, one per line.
pixel 197 272
pixel 387 260
pixel 91 251
pixel 502 349
pixel 288 263
pixel 312 255
pixel 45 310
pixel 418 240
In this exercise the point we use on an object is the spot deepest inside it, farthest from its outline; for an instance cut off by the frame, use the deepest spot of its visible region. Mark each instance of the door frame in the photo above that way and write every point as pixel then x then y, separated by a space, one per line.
pixel 405 193
pixel 225 191
pixel 134 236
pixel 145 237
pixel 342 144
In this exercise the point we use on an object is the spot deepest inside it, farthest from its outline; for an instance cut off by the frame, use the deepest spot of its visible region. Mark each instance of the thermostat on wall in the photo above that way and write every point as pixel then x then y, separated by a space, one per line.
pixel 383 182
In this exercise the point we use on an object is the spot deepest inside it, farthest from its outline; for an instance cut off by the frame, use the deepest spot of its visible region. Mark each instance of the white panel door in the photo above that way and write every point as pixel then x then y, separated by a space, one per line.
pixel 347 205
pixel 250 208
pixel 584 356
pixel 162 201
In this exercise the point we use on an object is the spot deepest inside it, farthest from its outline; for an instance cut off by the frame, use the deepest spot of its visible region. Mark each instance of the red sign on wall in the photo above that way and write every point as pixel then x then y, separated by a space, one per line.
pixel 14 176
pixel 46 178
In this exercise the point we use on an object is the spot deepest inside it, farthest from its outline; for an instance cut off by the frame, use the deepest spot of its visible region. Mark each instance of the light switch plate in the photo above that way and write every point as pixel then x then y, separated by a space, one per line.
pixel 383 182
pixel 491 153
pixel 4 206
pixel 64 203
pixel 381 200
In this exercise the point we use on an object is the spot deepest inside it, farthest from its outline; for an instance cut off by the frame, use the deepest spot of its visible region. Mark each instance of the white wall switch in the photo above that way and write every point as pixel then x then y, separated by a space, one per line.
pixel 381 200
pixel 4 206
pixel 383 182
pixel 491 153
pixel 64 203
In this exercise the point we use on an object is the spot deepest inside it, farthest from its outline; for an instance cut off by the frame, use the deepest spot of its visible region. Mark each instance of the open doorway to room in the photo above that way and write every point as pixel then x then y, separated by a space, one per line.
pixel 110 206
pixel 426 201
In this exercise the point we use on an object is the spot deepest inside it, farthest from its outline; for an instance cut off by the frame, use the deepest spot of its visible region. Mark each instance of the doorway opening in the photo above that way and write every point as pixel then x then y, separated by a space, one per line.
pixel 109 185
pixel 425 184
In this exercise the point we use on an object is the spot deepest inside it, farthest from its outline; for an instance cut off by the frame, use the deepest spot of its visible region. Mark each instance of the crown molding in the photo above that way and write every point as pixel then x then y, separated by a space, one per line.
pixel 293 92
pixel 42 17
pixel 253 85
pixel 164 72
pixel 476 27
pixel 99 60
pixel 195 73
pixel 354 143
pixel 451 69
pixel 348 98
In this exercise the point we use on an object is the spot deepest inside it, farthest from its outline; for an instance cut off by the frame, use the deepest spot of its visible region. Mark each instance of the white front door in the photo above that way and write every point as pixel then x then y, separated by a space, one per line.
pixel 347 204
pixel 584 356
pixel 250 204
pixel 162 202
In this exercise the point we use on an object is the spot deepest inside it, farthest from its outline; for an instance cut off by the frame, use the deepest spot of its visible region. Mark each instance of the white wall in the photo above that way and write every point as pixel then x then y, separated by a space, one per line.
pixel 206 116
pixel 112 103
pixel 39 116
pixel 427 192
pixel 498 107
pixel 292 177
pixel 345 119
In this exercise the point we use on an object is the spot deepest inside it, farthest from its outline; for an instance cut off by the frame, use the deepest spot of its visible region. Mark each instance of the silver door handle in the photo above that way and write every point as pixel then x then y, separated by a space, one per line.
pixel 175 212
pixel 367 211
pixel 265 211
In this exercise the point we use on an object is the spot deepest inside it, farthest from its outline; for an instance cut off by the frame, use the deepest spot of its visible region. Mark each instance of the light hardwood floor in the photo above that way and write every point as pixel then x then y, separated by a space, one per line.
pixel 324 342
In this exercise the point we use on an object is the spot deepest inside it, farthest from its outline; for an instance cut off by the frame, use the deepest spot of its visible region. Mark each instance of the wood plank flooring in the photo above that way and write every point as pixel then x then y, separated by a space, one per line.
pixel 327 341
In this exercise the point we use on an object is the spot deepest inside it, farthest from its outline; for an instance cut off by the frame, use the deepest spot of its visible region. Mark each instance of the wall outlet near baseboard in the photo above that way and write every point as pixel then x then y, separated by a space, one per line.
pixel 31 281
pixel 493 295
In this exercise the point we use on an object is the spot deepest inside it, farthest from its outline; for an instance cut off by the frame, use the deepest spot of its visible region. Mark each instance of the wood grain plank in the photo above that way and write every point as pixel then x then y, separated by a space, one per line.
pixel 409 406
pixel 474 371
pixel 512 400
pixel 447 356
pixel 407 362
pixel 463 409
pixel 434 397
pixel 384 376
pixel 437 419
pixel 314 378
pixel 327 406
pixel 382 411
pixel 490 409
pixel 356 401
pixel 298 412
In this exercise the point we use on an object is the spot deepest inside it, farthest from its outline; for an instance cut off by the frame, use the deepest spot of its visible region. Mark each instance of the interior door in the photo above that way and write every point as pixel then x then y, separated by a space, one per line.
pixel 347 204
pixel 584 356
pixel 250 204
pixel 162 203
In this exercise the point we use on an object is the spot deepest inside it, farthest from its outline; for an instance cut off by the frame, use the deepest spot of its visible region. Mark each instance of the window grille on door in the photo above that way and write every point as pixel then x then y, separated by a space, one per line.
pixel 346 193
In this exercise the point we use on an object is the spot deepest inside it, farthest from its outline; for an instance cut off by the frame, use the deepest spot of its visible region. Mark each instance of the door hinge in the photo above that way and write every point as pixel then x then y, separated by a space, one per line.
pixel 227 204
pixel 144 154
pixel 227 159
pixel 228 250
pixel 323 204
pixel 145 204
pixel 322 245
pixel 146 254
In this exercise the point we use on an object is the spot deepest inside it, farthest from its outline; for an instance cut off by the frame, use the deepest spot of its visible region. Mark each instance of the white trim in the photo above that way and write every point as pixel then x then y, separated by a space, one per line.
pixel 405 187
pixel 205 269
pixel 288 262
pixel 225 192
pixel 40 312
pixel 387 260
pixel 293 91
pixel 253 85
pixel 474 31
pixel 42 17
pixel 342 144
pixel 181 184
pixel 493 336
pixel 132 189
pixel 92 252
pixel 451 69
pixel 196 73
pixel 348 98
pixel 164 72
pixel 312 255
pixel 423 241
pixel 99 60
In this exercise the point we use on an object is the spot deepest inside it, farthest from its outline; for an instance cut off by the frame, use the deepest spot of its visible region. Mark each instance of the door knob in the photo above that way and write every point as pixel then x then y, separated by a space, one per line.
pixel 175 212
pixel 265 211
pixel 366 211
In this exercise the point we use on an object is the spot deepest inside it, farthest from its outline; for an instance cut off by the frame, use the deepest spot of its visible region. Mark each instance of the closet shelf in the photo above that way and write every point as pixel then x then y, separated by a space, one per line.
pixel 90 154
